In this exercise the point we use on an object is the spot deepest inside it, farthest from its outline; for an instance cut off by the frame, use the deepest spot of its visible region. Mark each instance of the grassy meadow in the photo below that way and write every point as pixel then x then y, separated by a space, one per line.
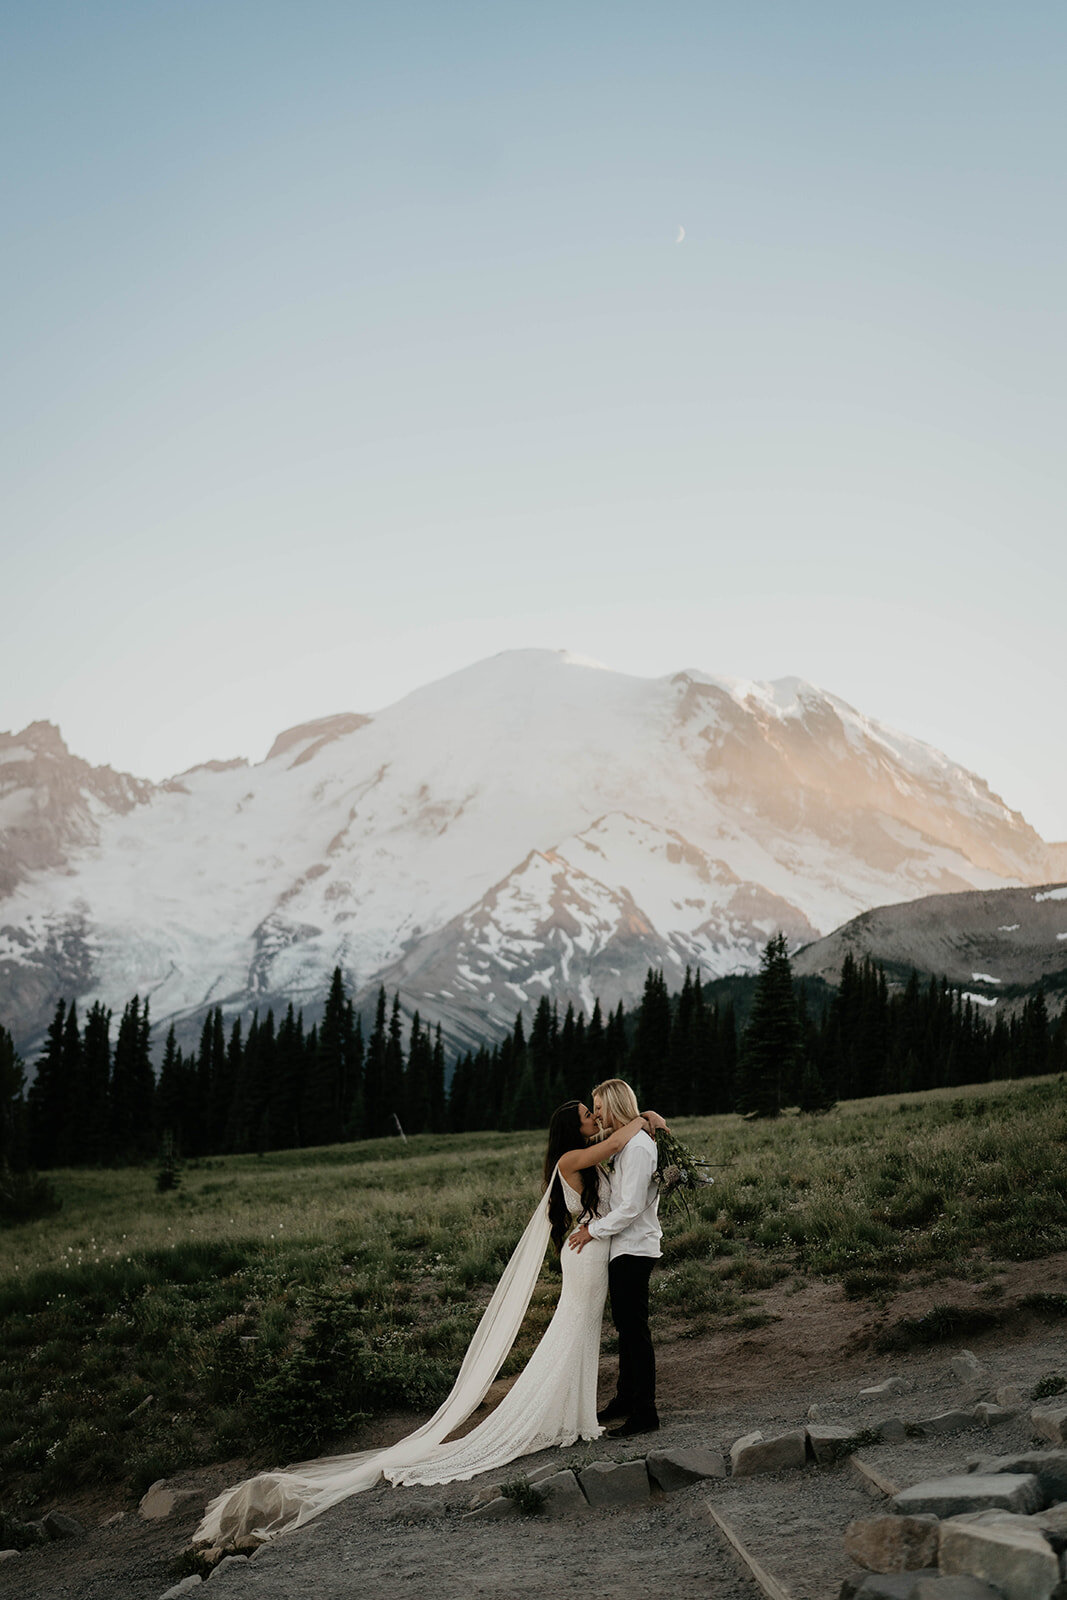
pixel 270 1304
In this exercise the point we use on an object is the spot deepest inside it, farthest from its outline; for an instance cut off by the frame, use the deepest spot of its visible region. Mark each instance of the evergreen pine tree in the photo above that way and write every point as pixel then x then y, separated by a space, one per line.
pixel 652 1039
pixel 460 1108
pixel 811 1091
pixel 771 1047
pixel 12 1106
pixel 221 1085
pixel 595 1050
pixel 394 1068
pixel 416 1111
pixel 494 1103
pixel 570 1067
pixel 1034 1043
pixel 249 1101
pixel 47 1094
pixel 726 1054
pixel 203 1099
pixel 616 1045
pixel 374 1091
pixel 352 1088
pixel 275 1081
pixel 274 1114
pixel 133 1086
pixel 69 1150
pixel 677 1080
pixel 438 1112
pixel 96 1067
pixel 325 1087
pixel 543 1050
pixel 170 1091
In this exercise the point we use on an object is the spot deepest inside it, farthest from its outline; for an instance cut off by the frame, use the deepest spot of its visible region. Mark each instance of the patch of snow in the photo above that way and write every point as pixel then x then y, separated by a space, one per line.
pixel 980 999
pixel 1009 927
pixel 1053 894
pixel 983 977
pixel 573 659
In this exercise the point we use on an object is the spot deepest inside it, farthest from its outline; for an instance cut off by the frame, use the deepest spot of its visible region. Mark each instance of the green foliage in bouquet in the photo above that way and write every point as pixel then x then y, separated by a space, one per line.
pixel 679 1173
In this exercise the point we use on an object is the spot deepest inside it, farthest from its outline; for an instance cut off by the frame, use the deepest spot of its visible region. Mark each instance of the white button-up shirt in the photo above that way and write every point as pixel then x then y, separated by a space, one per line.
pixel 632 1224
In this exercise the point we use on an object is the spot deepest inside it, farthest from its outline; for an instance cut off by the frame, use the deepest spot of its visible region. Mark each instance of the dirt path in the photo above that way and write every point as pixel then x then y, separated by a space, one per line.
pixel 415 1544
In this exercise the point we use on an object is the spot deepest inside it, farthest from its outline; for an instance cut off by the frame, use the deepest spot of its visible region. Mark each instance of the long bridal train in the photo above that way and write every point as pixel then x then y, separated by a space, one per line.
pixel 552 1402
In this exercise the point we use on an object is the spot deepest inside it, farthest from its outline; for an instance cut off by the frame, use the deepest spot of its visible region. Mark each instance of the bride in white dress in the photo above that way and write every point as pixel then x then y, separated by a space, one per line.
pixel 552 1402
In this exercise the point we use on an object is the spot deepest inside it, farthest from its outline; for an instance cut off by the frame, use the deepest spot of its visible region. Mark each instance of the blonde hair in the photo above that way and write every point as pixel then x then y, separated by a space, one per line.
pixel 618 1100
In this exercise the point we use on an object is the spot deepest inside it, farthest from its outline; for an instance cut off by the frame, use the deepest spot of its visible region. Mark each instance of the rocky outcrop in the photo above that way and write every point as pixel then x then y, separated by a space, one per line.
pixel 51 802
pixel 996 944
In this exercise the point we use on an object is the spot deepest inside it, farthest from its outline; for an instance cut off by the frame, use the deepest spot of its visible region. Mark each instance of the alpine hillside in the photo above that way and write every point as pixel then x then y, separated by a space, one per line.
pixel 532 824
pixel 997 945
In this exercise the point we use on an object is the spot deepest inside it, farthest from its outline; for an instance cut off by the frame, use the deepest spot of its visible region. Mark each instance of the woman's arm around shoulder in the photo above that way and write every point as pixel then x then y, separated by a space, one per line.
pixel 604 1149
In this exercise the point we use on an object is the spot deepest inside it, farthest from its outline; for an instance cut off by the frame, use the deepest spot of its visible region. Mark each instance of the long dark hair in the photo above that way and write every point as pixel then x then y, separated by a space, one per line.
pixel 565 1133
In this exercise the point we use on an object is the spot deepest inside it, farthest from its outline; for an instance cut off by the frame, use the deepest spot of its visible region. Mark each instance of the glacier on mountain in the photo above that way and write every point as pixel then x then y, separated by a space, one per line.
pixel 534 824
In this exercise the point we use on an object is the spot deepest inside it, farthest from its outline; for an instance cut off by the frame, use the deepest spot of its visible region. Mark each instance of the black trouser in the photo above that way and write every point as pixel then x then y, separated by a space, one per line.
pixel 628 1287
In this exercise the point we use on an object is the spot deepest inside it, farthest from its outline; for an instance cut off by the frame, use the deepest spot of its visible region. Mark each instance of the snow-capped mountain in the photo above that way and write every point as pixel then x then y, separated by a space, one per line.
pixel 533 824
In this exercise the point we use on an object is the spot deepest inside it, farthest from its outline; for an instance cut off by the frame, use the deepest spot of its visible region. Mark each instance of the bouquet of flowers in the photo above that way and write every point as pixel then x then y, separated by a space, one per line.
pixel 678 1171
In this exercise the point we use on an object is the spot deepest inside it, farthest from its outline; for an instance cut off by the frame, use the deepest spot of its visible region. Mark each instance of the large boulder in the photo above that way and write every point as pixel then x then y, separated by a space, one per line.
pixel 676 1469
pixel 162 1498
pixel 880 1391
pixel 1018 1561
pixel 996 1491
pixel 988 1414
pixel 563 1495
pixel 1049 1467
pixel 947 1422
pixel 1053 1524
pixel 753 1453
pixel 1050 1422
pixel 492 1510
pixel 227 1561
pixel 954 1586
pixel 826 1440
pixel 58 1525
pixel 886 1586
pixel 613 1484
pixel 892 1543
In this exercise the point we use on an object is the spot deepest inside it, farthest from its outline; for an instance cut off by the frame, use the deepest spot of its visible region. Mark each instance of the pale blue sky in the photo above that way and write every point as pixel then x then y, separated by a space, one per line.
pixel 345 344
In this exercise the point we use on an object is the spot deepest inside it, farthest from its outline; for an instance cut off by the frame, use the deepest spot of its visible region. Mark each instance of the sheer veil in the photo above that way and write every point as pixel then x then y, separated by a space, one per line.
pixel 277 1502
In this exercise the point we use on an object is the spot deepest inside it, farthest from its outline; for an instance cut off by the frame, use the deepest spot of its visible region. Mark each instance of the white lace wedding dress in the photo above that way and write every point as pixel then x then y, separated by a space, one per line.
pixel 552 1402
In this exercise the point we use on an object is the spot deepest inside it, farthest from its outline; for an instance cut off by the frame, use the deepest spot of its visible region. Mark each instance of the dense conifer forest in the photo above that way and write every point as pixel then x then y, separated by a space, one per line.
pixel 754 1045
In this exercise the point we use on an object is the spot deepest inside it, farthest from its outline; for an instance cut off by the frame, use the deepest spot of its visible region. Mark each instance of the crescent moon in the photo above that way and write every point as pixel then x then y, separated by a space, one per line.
pixel 681 234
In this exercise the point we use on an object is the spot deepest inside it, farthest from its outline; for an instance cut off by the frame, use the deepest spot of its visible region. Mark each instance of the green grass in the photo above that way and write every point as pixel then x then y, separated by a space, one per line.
pixel 269 1304
pixel 940 1323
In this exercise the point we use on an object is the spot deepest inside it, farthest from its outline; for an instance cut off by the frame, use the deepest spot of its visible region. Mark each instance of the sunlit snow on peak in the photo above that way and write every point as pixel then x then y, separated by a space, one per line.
pixel 573 659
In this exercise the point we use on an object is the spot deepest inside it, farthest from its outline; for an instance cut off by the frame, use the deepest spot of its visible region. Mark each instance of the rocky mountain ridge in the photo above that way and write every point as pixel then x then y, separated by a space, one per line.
pixel 996 945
